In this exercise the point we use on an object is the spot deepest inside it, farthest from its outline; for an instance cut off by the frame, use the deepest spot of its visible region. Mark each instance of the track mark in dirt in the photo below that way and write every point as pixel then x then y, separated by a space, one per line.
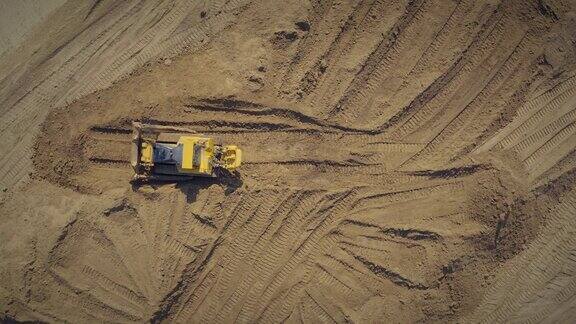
pixel 92 8
pixel 547 265
pixel 450 173
pixel 542 133
pixel 248 108
pixel 377 56
pixel 110 130
pixel 463 70
pixel 440 82
pixel 356 19
pixel 390 275
pixel 411 234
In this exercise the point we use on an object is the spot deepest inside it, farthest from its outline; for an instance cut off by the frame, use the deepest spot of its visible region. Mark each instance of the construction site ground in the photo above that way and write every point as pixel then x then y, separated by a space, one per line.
pixel 404 161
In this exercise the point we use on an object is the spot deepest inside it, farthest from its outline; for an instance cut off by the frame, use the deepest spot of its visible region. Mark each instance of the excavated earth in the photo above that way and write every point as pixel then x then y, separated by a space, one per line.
pixel 405 161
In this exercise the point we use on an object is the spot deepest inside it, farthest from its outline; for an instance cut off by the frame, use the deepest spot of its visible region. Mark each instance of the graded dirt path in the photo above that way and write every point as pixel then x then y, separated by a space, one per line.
pixel 405 161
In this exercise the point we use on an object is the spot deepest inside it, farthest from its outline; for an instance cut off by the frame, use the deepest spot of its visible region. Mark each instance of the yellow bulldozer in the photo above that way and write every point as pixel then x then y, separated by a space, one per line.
pixel 167 153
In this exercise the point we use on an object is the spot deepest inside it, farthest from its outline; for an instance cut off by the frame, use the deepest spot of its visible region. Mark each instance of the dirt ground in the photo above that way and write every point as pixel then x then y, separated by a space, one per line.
pixel 405 161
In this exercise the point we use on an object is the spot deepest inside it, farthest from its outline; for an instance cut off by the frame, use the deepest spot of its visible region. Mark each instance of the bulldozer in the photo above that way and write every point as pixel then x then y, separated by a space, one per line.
pixel 165 153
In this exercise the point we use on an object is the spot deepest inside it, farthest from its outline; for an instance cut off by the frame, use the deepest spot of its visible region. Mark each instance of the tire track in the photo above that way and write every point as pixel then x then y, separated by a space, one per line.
pixel 366 18
pixel 542 133
pixel 383 76
pixel 531 115
pixel 549 258
pixel 469 111
pixel 470 69
pixel 349 54
pixel 362 77
pixel 322 13
pixel 448 48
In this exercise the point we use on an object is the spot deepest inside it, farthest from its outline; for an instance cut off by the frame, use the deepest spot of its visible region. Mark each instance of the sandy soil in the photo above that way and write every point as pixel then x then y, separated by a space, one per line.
pixel 405 161
pixel 19 18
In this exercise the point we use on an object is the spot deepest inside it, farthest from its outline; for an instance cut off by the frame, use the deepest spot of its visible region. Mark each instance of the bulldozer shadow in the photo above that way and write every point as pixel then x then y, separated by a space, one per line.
pixel 230 181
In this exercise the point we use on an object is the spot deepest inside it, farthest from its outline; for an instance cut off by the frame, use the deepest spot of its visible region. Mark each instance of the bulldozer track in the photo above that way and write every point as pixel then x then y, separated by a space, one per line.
pixel 478 53
pixel 361 90
pixel 110 130
pixel 546 266
pixel 365 17
pixel 543 131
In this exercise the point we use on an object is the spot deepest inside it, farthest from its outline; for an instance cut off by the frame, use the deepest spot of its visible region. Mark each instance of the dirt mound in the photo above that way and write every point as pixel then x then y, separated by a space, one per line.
pixel 402 160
